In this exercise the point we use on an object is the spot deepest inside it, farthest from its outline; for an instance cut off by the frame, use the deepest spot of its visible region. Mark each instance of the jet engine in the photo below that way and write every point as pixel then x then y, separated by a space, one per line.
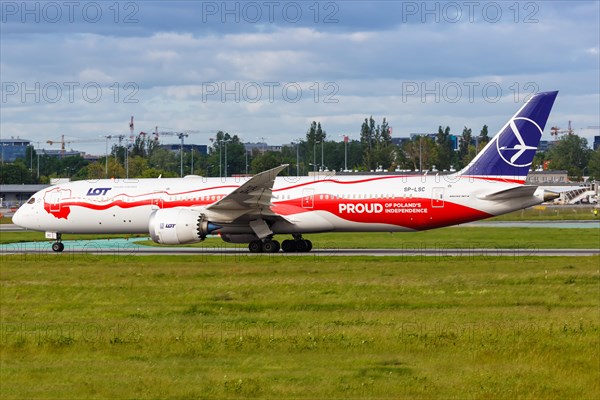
pixel 179 226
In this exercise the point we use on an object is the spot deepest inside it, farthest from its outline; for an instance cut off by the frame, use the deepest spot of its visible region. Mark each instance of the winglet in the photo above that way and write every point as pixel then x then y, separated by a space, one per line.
pixel 510 153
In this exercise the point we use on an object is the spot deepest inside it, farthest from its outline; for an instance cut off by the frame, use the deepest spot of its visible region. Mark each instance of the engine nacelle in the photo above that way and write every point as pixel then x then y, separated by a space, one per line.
pixel 179 226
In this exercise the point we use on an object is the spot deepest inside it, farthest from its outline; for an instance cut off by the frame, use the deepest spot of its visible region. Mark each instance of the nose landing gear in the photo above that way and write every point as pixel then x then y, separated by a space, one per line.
pixel 58 246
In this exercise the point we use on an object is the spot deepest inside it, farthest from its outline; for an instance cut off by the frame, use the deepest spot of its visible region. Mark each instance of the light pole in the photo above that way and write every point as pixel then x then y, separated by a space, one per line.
pixel 221 141
pixel 322 154
pixel 420 154
pixel 181 135
pixel 106 157
pixel 262 141
pixel 315 154
pixel 298 156
pixel 226 158
pixel 37 153
pixel 345 152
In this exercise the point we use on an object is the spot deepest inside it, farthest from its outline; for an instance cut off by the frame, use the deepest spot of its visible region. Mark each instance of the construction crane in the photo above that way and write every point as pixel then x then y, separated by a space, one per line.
pixel 63 143
pixel 555 130
pixel 180 134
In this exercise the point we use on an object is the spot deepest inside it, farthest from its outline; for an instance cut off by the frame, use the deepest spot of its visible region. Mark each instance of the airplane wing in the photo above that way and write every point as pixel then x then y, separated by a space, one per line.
pixel 252 200
pixel 518 191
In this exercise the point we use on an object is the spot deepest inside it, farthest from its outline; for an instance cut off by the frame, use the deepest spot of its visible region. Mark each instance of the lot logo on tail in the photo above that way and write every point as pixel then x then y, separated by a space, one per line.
pixel 515 148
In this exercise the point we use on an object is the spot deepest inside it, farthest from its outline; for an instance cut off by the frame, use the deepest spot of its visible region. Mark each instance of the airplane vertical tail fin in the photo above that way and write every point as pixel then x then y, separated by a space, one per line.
pixel 510 153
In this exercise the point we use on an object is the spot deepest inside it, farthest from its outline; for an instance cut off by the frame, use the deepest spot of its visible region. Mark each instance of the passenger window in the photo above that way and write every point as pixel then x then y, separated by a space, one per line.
pixel 31 201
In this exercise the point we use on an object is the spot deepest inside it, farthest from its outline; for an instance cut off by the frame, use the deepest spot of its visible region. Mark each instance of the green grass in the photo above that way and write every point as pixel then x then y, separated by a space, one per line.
pixel 30 236
pixel 550 213
pixel 299 327
pixel 452 237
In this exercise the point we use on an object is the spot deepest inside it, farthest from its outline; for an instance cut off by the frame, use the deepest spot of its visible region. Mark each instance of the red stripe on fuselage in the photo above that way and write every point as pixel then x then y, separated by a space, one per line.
pixel 415 213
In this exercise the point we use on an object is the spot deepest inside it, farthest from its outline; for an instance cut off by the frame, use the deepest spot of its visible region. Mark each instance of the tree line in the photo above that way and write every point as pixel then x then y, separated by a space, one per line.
pixel 372 149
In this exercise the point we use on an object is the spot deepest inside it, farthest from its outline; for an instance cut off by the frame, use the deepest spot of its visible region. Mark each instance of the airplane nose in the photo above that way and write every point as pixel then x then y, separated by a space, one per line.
pixel 18 218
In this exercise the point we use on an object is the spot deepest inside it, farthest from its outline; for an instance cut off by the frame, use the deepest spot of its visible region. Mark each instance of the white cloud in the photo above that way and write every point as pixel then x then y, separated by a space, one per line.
pixel 370 56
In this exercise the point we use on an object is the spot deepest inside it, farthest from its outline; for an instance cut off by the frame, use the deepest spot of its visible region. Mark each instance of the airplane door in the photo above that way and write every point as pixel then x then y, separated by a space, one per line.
pixel 437 198
pixel 308 198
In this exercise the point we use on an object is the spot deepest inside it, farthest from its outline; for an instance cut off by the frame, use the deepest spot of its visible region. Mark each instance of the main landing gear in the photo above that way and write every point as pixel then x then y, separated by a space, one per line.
pixel 268 245
pixel 58 246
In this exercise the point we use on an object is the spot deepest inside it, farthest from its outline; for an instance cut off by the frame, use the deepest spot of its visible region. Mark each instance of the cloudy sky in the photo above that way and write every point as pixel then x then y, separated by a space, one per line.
pixel 265 69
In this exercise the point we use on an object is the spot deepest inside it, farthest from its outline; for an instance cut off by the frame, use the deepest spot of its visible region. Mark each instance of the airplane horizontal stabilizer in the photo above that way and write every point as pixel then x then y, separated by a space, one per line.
pixel 512 193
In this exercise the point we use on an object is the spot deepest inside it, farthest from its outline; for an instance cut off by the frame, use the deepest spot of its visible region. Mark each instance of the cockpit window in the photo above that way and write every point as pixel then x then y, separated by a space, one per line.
pixel 31 200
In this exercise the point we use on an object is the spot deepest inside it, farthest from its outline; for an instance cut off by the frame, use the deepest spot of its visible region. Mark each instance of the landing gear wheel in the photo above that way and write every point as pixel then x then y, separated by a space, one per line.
pixel 297 245
pixel 58 247
pixel 288 246
pixel 255 246
pixel 308 245
pixel 270 246
pixel 301 246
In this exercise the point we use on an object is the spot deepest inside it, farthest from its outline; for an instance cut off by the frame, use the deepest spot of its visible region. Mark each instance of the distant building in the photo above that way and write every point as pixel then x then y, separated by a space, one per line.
pixel 541 177
pixel 13 149
pixel 15 195
pixel 60 153
pixel 454 139
pixel 596 142
pixel 261 147
pixel 399 141
pixel 201 149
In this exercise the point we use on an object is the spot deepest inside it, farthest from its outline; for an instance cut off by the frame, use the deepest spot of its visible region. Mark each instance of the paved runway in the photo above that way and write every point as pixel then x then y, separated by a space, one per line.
pixel 124 247
pixel 10 228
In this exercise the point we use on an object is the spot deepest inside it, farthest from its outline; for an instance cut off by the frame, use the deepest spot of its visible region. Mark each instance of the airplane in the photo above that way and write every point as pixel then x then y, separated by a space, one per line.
pixel 253 210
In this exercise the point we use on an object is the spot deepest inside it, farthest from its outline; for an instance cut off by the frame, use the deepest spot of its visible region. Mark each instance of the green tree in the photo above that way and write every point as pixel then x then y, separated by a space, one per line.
pixel 445 152
pixel 376 141
pixel 420 151
pixel 265 161
pixel 594 165
pixel 164 160
pixel 227 146
pixel 368 140
pixel 315 136
pixel 15 173
pixel 570 153
pixel 464 155
pixel 137 166
pixel 484 138
pixel 95 170
pixel 115 169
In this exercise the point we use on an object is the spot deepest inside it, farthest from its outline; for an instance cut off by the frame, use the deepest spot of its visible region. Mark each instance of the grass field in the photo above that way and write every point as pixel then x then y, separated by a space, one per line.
pixel 293 327
pixel 452 237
